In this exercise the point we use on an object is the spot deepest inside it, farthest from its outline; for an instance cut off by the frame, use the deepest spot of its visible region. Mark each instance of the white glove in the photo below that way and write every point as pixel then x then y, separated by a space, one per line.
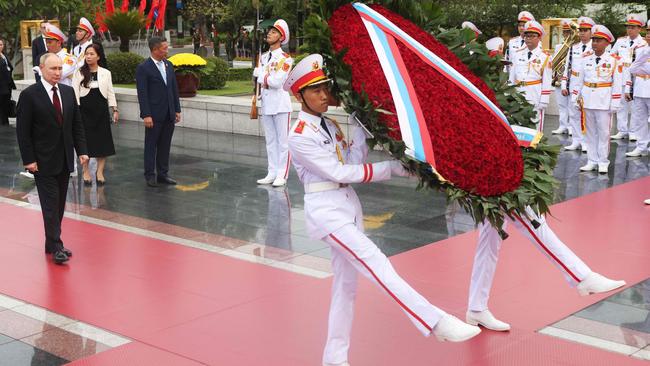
pixel 257 71
pixel 397 169
pixel 541 106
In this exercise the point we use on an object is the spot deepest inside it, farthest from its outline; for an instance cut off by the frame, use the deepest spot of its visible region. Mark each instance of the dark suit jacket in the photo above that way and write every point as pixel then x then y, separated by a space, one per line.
pixel 38 49
pixel 157 100
pixel 6 81
pixel 40 136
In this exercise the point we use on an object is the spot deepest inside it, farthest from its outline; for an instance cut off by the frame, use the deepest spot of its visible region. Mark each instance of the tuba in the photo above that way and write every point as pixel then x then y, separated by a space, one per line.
pixel 559 59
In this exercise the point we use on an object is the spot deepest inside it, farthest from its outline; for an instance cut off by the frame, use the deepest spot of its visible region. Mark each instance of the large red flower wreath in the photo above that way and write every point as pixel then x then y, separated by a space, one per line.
pixel 472 149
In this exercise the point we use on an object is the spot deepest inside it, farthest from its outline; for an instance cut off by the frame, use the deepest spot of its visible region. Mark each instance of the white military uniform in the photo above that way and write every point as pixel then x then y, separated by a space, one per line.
pixel 326 163
pixel 79 52
pixel 569 80
pixel 543 238
pixel 517 42
pixel 532 74
pixel 69 67
pixel 640 71
pixel 599 85
pixel 275 111
pixel 624 48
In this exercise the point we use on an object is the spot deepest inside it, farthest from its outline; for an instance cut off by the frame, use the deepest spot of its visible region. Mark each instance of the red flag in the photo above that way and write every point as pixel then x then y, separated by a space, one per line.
pixel 160 21
pixel 99 19
pixel 125 6
pixel 154 6
pixel 110 7
pixel 143 5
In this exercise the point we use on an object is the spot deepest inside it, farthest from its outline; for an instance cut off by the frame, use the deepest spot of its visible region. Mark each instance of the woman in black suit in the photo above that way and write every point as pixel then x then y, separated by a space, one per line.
pixel 6 85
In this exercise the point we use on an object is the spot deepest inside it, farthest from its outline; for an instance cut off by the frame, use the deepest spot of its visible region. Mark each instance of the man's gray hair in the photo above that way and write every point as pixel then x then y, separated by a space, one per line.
pixel 155 42
pixel 44 58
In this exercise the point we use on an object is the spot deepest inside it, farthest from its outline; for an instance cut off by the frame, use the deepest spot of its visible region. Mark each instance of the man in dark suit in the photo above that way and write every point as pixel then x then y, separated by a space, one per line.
pixel 39 48
pixel 6 85
pixel 160 108
pixel 49 127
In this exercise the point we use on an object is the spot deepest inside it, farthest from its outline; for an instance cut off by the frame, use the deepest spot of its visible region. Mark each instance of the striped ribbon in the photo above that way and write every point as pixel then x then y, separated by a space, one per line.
pixel 384 34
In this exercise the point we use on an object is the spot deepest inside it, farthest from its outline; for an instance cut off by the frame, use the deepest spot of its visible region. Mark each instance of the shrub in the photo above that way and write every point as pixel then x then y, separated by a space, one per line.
pixel 122 66
pixel 240 74
pixel 215 74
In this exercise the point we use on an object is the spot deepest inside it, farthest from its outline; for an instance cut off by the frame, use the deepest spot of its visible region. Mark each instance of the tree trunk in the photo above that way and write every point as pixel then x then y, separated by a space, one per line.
pixel 124 44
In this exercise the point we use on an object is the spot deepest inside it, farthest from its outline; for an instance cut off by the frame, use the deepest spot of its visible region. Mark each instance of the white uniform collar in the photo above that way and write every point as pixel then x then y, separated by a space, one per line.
pixel 310 118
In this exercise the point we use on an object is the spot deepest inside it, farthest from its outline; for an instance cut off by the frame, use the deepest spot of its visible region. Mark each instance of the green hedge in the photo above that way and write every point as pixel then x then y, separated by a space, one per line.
pixel 240 74
pixel 122 66
pixel 215 74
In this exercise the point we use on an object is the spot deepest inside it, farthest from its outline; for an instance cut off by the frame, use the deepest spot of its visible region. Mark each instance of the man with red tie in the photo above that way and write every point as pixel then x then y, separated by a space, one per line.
pixel 49 129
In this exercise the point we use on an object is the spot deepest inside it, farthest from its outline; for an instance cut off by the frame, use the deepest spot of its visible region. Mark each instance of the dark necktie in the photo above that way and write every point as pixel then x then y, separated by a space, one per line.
pixel 269 59
pixel 57 106
pixel 522 41
pixel 530 53
pixel 584 47
pixel 597 60
pixel 324 127
pixel 631 43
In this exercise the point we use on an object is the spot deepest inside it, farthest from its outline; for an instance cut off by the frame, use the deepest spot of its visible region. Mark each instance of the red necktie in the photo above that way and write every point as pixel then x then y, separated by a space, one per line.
pixel 57 106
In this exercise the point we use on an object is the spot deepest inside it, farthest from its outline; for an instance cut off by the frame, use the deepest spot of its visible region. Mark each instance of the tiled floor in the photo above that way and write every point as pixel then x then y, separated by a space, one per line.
pixel 217 207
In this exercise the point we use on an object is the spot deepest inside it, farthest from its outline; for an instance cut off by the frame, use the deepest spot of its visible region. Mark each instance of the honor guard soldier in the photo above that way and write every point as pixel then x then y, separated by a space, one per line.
pixel 624 48
pixel 84 36
pixel 517 42
pixel 563 98
pixel 495 46
pixel 54 40
pixel 531 71
pixel 599 86
pixel 570 78
pixel 327 163
pixel 275 112
pixel 640 75
pixel 472 27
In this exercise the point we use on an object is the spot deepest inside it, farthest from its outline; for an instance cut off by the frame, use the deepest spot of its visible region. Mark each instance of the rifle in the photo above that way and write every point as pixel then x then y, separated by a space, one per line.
pixel 253 113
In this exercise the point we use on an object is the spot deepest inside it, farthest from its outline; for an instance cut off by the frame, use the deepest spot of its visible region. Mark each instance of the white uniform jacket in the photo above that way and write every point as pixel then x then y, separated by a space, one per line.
pixel 271 75
pixel 323 160
pixel 532 75
pixel 104 83
pixel 69 67
pixel 640 70
pixel 625 48
pixel 79 52
pixel 572 61
pixel 513 45
pixel 599 84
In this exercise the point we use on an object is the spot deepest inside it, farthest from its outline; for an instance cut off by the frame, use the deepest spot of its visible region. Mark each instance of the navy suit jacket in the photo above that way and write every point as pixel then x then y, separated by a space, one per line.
pixel 39 134
pixel 157 100
pixel 38 49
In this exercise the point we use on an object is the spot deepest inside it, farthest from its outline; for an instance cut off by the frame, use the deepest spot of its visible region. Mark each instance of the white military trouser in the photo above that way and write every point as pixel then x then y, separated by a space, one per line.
pixel 487 254
pixel 623 118
pixel 576 126
pixel 599 123
pixel 352 253
pixel 563 108
pixel 276 129
pixel 640 114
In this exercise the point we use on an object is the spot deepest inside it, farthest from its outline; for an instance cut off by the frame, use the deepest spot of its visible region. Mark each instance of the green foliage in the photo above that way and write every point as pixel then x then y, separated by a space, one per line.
pixel 214 74
pixel 122 66
pixel 125 25
pixel 537 186
pixel 240 74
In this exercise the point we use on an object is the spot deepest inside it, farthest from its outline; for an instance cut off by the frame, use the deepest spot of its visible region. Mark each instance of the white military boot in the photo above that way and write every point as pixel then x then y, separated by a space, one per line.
pixel 279 182
pixel 266 180
pixel 596 283
pixel 588 167
pixel 486 319
pixel 452 329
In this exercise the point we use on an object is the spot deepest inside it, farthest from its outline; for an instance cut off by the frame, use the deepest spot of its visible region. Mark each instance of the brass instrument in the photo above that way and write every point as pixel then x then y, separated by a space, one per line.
pixel 559 59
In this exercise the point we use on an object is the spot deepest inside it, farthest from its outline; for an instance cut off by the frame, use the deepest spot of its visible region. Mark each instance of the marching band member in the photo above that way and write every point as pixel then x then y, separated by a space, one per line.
pixel 569 80
pixel 598 88
pixel 84 36
pixel 531 71
pixel 516 43
pixel 624 48
pixel 640 75
pixel 275 112
pixel 562 98
pixel 326 164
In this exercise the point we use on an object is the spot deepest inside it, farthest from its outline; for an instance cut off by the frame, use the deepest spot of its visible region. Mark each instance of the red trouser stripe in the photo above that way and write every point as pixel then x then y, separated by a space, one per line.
pixel 369 172
pixel 532 233
pixel 286 169
pixel 365 173
pixel 406 308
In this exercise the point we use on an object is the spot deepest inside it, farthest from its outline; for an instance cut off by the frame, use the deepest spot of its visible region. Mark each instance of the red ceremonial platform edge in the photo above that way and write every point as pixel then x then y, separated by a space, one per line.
pixel 183 306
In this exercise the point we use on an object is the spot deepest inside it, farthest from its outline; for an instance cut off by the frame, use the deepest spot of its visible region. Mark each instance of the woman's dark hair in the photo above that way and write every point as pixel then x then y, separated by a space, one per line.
pixel 85 69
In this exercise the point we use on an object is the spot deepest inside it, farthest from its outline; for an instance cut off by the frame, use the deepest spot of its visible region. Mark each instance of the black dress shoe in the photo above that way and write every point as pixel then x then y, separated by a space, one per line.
pixel 166 180
pixel 59 257
pixel 65 250
pixel 88 183
pixel 152 182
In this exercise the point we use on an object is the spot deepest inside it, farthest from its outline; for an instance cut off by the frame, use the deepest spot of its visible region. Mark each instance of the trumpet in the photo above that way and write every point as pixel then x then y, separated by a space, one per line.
pixel 560 58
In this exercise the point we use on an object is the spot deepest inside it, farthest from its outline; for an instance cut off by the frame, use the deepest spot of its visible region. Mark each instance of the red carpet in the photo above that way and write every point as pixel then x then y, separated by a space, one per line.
pixel 184 306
